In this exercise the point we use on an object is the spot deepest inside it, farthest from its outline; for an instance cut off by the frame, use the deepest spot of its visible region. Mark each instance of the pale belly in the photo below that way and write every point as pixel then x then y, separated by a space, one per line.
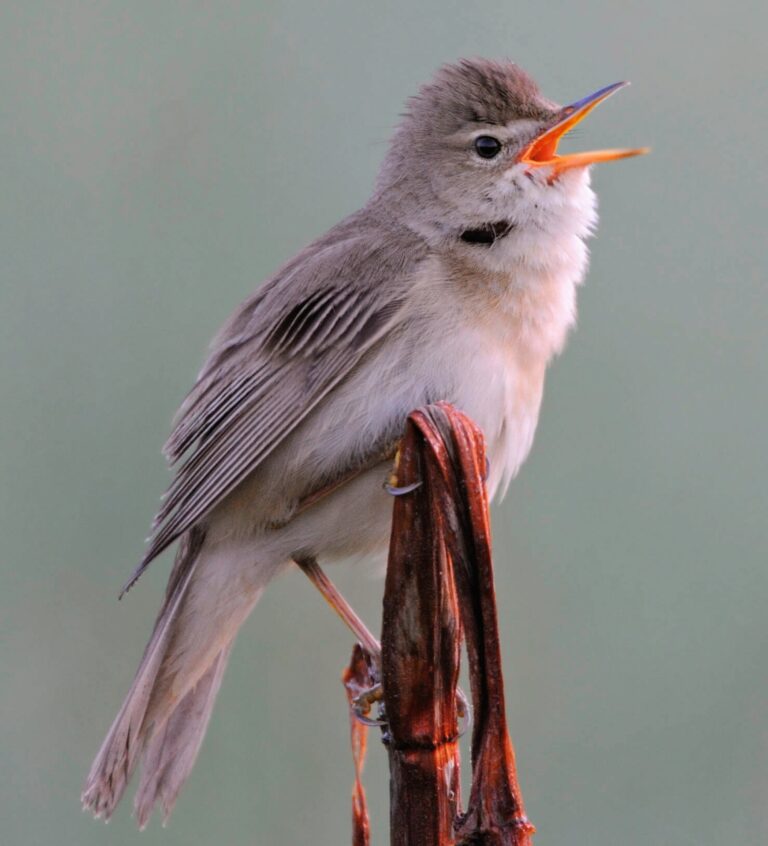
pixel 470 369
pixel 443 353
pixel 504 400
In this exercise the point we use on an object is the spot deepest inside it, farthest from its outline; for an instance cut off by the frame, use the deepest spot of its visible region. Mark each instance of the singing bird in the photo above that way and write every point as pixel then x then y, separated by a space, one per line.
pixel 456 281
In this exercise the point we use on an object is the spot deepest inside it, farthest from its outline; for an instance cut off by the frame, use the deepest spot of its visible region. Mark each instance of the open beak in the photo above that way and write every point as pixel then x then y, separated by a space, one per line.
pixel 542 151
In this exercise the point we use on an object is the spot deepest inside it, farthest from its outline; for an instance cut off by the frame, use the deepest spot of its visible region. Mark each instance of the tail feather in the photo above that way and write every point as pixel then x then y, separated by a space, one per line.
pixel 211 591
pixel 172 750
pixel 114 764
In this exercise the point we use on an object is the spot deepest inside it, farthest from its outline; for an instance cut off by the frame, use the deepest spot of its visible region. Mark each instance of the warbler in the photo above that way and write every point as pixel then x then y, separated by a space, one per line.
pixel 456 281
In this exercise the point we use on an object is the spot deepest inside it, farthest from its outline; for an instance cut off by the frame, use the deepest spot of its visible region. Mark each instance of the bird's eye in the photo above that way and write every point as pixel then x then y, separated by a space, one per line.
pixel 487 147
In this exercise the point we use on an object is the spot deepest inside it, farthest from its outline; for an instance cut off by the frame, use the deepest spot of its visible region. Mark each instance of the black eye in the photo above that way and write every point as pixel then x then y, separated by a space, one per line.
pixel 487 147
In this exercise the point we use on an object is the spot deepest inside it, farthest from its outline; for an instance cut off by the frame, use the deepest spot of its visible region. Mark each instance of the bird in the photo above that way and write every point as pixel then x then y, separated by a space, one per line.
pixel 455 282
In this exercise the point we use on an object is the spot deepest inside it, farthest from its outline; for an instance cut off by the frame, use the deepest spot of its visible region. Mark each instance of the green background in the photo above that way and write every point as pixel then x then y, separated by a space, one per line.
pixel 157 160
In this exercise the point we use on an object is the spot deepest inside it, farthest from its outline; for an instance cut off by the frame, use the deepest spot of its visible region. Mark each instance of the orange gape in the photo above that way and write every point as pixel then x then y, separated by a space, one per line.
pixel 542 151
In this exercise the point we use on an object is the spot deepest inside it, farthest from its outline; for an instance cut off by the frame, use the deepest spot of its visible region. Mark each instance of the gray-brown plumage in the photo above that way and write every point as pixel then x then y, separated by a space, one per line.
pixel 277 359
pixel 455 282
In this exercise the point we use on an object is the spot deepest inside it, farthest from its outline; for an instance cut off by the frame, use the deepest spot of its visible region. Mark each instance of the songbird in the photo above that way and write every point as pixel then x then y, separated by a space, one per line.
pixel 456 281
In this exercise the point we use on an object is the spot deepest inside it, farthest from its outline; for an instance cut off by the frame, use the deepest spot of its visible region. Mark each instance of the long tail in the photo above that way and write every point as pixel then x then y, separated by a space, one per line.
pixel 171 753
pixel 166 711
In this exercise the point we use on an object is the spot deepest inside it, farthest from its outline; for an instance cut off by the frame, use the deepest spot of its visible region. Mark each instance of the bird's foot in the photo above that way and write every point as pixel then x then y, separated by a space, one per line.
pixel 363 705
pixel 364 702
pixel 391 486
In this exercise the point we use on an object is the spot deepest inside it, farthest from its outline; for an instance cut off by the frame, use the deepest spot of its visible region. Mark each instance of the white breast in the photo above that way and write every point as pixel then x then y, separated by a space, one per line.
pixel 496 322
pixel 502 396
pixel 477 338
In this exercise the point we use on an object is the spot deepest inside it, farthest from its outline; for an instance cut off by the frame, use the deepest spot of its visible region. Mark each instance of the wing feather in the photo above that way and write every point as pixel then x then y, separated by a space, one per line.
pixel 276 359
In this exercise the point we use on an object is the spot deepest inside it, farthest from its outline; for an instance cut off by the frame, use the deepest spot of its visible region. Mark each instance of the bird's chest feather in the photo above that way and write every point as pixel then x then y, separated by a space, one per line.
pixel 506 323
pixel 502 395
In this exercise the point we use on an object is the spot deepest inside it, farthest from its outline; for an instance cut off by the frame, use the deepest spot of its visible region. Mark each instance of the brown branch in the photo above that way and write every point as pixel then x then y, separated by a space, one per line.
pixel 421 641
pixel 440 586
pixel 495 813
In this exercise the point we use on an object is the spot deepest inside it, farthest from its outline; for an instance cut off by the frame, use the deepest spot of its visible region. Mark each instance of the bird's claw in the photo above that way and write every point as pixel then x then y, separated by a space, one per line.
pixel 391 486
pixel 394 490
pixel 363 703
pixel 463 711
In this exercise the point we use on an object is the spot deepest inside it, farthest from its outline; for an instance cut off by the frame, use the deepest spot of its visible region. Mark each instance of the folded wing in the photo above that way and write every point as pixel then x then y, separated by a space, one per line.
pixel 281 353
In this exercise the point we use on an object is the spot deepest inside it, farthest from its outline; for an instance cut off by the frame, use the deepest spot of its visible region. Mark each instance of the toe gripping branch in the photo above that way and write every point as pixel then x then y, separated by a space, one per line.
pixel 439 589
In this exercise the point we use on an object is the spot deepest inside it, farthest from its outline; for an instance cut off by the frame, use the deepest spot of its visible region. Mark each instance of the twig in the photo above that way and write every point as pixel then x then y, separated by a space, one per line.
pixel 440 586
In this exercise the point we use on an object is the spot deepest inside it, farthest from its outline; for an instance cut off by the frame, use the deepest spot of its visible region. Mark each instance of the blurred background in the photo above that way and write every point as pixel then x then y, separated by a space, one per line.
pixel 157 161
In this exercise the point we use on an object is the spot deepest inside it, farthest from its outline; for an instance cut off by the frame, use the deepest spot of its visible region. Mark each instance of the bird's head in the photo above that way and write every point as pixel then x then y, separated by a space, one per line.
pixel 477 153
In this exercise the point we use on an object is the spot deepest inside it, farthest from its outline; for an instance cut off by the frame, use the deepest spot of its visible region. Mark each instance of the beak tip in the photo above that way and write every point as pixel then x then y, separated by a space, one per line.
pixel 617 86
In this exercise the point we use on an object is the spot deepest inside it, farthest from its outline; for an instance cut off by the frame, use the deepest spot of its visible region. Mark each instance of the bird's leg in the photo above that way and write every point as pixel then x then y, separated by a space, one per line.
pixel 365 701
pixel 334 598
